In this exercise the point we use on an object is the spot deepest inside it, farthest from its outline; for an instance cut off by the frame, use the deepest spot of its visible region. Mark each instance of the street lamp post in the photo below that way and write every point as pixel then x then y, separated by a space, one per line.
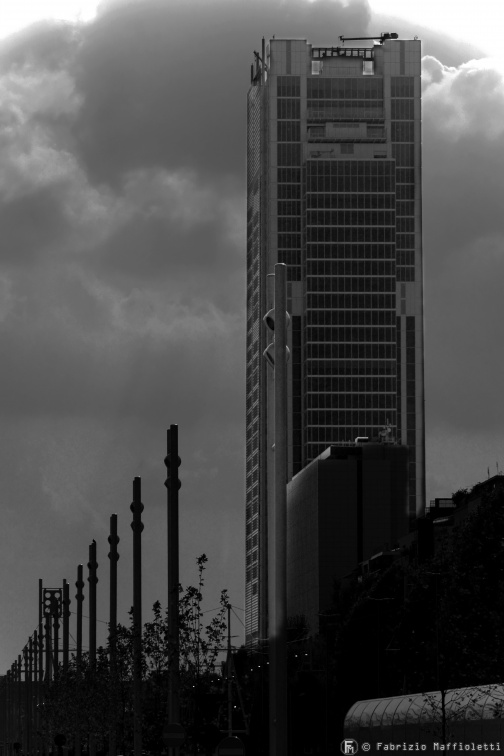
pixel 277 571
pixel 172 461
pixel 137 527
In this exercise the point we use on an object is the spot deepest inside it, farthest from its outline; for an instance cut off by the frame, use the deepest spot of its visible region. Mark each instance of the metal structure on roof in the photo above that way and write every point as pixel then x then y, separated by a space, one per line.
pixel 472 714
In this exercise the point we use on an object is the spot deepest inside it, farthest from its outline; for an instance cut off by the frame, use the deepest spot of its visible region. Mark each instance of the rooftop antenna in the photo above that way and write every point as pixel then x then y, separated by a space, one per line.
pixel 382 37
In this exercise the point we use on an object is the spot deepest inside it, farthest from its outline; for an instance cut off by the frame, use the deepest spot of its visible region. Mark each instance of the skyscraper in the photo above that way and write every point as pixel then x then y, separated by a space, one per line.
pixel 334 191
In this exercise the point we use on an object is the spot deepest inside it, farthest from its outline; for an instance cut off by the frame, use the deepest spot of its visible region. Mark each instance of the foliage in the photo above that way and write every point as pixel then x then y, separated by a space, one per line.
pixel 433 626
pixel 90 699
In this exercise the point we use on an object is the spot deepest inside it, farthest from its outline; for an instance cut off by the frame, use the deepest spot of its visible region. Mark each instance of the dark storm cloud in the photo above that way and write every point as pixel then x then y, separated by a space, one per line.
pixel 122 283
pixel 189 65
pixel 127 157
pixel 464 242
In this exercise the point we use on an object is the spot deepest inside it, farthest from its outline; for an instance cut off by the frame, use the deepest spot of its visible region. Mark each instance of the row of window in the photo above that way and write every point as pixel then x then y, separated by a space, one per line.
pixel 288 86
pixel 349 201
pixel 405 257
pixel 404 154
pixel 350 283
pixel 351 385
pixel 352 301
pixel 341 334
pixel 351 401
pixel 343 102
pixel 350 252
pixel 402 86
pixel 288 131
pixel 358 417
pixel 350 351
pixel 289 175
pixel 405 192
pixel 402 110
pixel 289 241
pixel 350 218
pixel 321 132
pixel 355 368
pixel 355 184
pixel 290 257
pixel 341 434
pixel 345 110
pixel 361 168
pixel 402 131
pixel 290 109
pixel 348 234
pixel 345 88
pixel 405 225
pixel 332 110
pixel 289 224
pixel 350 317
pixel 404 274
pixel 350 268
pixel 405 241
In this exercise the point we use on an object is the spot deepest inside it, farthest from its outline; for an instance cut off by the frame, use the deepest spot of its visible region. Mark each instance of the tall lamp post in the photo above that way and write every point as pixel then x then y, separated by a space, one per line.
pixel 277 354
pixel 173 734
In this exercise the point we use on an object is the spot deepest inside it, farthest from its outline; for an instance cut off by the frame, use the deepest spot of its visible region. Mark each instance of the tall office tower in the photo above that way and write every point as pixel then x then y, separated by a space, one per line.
pixel 334 191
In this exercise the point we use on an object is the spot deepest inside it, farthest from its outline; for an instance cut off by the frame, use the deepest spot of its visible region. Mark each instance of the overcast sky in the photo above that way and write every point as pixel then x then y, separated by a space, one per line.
pixel 122 273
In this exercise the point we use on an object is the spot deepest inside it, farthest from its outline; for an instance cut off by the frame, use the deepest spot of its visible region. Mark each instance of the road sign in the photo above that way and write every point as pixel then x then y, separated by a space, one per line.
pixel 231 746
pixel 173 734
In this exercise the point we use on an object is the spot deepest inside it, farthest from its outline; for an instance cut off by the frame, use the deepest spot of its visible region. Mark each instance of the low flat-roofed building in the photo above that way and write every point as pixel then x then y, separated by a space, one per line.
pixel 342 508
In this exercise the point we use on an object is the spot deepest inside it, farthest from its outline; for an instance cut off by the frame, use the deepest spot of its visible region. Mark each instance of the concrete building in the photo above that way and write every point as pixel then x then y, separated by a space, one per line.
pixel 342 508
pixel 334 191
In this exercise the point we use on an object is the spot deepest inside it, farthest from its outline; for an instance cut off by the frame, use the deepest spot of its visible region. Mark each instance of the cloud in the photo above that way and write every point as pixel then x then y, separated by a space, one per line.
pixel 122 264
pixel 464 101
pixel 30 155
pixel 463 109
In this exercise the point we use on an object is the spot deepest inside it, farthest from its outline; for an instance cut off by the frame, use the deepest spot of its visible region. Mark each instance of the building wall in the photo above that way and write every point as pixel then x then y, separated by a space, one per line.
pixel 303 542
pixel 341 509
pixel 334 192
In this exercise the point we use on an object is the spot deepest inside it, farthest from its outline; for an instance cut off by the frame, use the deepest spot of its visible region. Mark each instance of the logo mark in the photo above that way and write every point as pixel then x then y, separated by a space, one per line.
pixel 349 746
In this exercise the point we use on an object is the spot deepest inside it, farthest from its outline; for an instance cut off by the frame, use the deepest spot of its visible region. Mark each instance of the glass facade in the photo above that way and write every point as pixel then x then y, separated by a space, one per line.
pixel 334 192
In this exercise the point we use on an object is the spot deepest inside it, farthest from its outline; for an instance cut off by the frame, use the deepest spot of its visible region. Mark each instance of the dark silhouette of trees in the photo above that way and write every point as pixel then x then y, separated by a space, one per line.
pixel 86 700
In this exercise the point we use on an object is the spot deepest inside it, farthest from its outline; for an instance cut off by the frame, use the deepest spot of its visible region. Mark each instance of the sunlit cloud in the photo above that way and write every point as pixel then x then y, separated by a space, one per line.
pixel 465 100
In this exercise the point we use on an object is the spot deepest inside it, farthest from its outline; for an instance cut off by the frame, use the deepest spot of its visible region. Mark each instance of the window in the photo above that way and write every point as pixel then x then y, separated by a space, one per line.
pixel 316 67
pixel 289 154
pixel 288 86
pixel 288 131
pixel 288 109
pixel 368 67
pixel 402 86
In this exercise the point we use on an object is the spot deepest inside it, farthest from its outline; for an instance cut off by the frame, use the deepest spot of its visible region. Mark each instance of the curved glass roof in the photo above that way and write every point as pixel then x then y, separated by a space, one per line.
pixel 472 703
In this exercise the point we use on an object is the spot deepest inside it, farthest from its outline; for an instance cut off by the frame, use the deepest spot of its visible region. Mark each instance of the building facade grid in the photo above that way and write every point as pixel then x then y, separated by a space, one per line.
pixel 334 192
